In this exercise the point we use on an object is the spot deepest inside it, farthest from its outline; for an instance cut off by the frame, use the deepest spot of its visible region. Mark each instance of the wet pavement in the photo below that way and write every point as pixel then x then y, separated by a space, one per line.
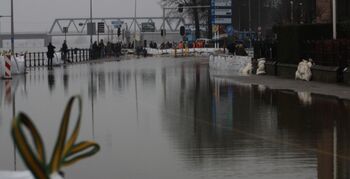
pixel 172 118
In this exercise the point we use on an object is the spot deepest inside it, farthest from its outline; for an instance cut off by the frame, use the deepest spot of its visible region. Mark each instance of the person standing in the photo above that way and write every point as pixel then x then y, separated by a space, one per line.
pixel 102 49
pixel 95 51
pixel 50 54
pixel 64 51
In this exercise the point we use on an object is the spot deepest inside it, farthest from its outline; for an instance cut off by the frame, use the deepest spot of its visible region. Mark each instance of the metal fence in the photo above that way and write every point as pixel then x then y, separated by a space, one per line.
pixel 328 52
pixel 322 52
pixel 265 49
pixel 36 59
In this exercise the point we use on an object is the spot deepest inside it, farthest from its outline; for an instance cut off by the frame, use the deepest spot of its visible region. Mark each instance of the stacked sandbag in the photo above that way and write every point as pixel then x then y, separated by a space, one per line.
pixel 304 70
pixel 261 67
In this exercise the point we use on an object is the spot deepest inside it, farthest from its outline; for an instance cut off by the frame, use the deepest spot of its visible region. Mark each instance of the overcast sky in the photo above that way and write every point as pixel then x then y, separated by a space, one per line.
pixel 38 15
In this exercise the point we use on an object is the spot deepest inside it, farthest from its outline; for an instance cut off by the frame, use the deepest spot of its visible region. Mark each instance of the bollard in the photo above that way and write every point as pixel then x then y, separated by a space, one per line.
pixel 84 54
pixel 25 60
pixel 7 71
pixel 34 58
pixel 43 59
pixel 72 55
pixel 30 59
pixel 76 55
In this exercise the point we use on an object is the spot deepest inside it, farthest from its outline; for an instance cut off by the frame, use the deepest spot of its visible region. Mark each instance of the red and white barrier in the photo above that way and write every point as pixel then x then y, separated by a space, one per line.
pixel 10 65
pixel 7 69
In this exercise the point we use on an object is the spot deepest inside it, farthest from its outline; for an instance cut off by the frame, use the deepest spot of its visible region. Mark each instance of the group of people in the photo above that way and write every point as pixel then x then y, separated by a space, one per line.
pixel 101 50
pixel 97 51
pixel 51 52
pixel 153 45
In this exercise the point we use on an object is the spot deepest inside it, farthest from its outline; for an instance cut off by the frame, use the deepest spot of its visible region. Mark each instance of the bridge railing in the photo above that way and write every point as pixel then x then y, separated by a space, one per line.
pixel 37 59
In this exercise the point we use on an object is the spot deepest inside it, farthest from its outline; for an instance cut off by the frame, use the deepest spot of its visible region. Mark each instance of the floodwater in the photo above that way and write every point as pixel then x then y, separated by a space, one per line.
pixel 169 118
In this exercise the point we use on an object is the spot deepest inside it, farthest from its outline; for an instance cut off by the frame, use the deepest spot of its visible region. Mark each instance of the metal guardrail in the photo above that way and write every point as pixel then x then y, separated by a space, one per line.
pixel 37 59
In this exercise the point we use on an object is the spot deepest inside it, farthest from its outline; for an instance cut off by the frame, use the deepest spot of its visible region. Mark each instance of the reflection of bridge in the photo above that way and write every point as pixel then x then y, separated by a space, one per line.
pixel 78 27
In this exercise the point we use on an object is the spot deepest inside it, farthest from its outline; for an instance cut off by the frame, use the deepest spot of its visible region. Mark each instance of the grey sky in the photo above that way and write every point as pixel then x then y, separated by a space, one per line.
pixel 38 15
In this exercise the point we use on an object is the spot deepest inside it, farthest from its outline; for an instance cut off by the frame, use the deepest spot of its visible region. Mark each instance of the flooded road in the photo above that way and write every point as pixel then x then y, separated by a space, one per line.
pixel 169 118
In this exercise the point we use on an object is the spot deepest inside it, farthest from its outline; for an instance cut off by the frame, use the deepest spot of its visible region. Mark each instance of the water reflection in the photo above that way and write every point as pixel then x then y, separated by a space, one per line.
pixel 238 121
pixel 305 98
pixel 51 79
pixel 185 122
pixel 65 79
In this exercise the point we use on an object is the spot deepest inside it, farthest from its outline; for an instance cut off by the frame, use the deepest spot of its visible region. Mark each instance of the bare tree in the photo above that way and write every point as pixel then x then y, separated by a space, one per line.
pixel 197 15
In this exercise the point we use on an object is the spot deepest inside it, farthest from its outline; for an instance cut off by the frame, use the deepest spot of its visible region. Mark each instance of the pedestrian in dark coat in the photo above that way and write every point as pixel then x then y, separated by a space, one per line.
pixel 64 51
pixel 50 53
pixel 95 50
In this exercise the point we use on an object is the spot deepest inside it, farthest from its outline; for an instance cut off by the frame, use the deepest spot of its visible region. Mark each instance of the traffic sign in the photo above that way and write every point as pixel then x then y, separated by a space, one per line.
pixel 65 29
pixel 91 28
pixel 101 27
pixel 117 24
pixel 219 20
pixel 221 3
pixel 229 30
pixel 221 12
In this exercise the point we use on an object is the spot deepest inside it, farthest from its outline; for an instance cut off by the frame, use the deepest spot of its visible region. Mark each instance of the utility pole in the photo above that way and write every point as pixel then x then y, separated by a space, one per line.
pixel 135 26
pixel 91 23
pixel 250 22
pixel 334 4
pixel 259 12
pixel 12 30
pixel 291 11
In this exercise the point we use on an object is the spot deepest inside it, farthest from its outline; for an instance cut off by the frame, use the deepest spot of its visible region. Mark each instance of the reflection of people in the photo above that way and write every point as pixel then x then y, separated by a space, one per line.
pixel 51 80
pixel 50 53
pixel 65 79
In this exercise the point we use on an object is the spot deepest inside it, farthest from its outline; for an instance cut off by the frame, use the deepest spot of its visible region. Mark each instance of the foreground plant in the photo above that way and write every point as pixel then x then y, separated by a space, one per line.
pixel 66 151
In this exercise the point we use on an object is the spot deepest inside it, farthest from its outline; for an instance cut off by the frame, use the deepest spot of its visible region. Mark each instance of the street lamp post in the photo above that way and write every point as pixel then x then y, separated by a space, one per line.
pixel 292 12
pixel 334 4
pixel 91 23
pixel 12 30
pixel 250 23
pixel 259 13
pixel 135 26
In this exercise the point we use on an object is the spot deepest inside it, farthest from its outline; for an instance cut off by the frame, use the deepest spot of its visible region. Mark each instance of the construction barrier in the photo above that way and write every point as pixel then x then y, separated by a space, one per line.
pixel 10 65
pixel 7 67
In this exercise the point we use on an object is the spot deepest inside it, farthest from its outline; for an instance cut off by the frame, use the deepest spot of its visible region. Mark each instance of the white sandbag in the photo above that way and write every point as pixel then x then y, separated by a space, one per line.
pixel 17 65
pixel 247 70
pixel 57 60
pixel 304 70
pixel 22 175
pixel 261 67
